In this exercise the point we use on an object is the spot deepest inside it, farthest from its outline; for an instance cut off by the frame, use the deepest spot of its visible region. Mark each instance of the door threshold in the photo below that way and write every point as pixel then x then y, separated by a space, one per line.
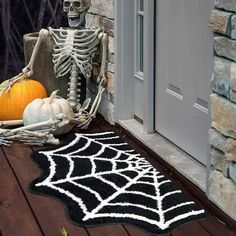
pixel 181 161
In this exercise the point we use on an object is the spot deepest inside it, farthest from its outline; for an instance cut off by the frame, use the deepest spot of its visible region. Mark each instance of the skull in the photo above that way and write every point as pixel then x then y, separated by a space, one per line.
pixel 75 10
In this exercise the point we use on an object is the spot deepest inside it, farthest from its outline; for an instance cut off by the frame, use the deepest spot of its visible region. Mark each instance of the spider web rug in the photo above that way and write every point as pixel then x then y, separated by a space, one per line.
pixel 101 180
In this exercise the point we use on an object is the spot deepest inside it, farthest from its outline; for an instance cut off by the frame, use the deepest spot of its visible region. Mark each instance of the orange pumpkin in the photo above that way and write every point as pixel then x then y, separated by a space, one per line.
pixel 14 101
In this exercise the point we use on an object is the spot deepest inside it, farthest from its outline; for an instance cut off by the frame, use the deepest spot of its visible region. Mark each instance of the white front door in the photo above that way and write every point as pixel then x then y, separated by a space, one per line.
pixel 183 71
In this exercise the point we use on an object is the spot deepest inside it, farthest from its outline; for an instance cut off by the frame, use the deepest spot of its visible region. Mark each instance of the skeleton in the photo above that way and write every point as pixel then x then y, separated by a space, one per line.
pixel 73 52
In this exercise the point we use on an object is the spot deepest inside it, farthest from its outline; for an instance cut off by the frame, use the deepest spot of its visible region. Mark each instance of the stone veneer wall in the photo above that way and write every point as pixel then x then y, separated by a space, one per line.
pixel 222 136
pixel 101 13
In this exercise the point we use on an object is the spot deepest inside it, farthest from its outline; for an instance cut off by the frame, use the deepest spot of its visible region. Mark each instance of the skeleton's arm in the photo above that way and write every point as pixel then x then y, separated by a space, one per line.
pixel 29 68
pixel 89 116
pixel 104 39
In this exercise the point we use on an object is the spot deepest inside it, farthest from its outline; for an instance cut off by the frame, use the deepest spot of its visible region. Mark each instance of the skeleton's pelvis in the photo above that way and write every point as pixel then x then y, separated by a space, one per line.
pixel 43 67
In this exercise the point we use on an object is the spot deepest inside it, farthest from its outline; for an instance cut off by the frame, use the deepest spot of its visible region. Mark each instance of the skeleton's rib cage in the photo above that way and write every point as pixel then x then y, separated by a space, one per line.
pixel 72 45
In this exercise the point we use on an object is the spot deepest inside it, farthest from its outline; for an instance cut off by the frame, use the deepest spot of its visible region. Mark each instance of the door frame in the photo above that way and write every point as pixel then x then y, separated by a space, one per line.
pixel 124 41
pixel 124 86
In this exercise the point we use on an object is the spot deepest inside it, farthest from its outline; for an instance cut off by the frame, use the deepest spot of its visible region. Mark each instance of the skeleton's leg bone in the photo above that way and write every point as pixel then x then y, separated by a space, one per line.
pixel 75 81
pixel 42 33
pixel 35 126
pixel 11 123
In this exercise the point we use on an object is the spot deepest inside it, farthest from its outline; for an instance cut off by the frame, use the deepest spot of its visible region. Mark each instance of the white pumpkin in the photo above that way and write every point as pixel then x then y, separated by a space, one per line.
pixel 40 110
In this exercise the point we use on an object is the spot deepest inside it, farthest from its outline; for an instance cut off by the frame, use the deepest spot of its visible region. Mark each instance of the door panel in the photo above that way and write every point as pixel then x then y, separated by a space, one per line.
pixel 183 71
pixel 139 98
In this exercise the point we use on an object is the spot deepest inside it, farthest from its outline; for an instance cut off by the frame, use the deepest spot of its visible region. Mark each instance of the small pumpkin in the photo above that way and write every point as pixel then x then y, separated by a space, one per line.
pixel 45 109
pixel 14 100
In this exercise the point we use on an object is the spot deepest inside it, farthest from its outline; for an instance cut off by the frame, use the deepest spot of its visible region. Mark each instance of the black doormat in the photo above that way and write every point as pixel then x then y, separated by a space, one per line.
pixel 101 180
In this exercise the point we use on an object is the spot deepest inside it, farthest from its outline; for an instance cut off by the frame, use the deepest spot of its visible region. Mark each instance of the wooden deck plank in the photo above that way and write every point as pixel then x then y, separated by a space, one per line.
pixel 193 229
pixel 133 231
pixel 50 213
pixel 215 227
pixel 107 230
pixel 16 217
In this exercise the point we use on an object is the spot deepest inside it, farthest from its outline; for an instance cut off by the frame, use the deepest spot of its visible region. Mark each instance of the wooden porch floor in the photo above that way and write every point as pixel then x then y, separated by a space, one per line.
pixel 26 214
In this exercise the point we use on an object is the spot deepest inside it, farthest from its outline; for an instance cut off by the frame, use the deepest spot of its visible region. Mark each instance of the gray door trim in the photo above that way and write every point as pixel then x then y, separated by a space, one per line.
pixel 124 87
pixel 124 62
pixel 149 65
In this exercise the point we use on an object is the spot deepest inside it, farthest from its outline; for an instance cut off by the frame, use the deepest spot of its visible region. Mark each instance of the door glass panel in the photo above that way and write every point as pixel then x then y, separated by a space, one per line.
pixel 141 5
pixel 141 45
pixel 139 39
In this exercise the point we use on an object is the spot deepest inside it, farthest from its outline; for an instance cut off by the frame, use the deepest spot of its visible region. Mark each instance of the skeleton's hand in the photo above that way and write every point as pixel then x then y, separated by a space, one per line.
pixel 6 85
pixel 37 138
pixel 5 142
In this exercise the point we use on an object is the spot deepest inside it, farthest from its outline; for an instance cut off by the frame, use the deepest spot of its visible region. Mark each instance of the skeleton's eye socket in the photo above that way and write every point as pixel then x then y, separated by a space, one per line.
pixel 77 4
pixel 66 4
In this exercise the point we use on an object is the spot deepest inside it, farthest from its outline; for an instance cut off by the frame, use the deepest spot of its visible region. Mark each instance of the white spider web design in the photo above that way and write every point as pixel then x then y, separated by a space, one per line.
pixel 109 182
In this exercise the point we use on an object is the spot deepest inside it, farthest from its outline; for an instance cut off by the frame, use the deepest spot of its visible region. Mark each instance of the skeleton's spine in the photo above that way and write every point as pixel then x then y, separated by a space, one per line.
pixel 74 86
